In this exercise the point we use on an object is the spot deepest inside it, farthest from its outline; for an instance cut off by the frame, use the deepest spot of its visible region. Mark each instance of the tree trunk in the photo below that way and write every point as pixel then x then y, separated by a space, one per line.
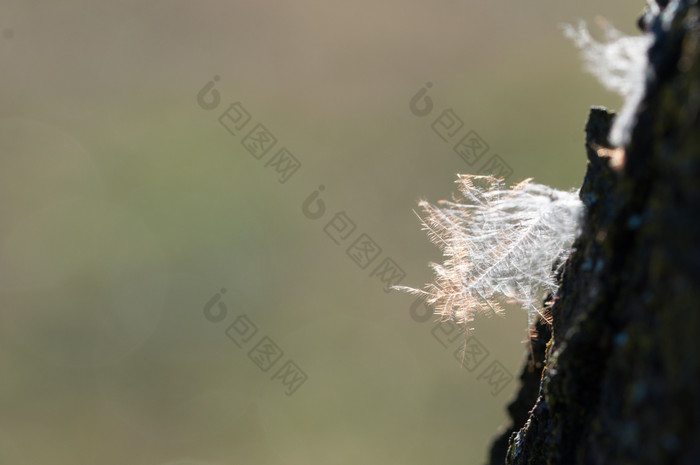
pixel 618 380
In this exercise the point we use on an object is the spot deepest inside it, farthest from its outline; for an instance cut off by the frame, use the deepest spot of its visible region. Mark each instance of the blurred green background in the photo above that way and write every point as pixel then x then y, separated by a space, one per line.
pixel 125 207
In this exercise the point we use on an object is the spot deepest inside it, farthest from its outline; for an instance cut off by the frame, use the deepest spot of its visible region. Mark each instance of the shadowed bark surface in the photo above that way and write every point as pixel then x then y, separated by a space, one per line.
pixel 621 374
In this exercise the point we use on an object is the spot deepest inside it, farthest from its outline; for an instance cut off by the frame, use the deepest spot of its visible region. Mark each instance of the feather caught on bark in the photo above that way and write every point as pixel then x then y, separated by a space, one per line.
pixel 620 63
pixel 499 245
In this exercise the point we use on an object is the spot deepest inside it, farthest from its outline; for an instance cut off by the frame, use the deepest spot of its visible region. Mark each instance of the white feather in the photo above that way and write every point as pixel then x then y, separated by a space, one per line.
pixel 498 244
pixel 620 63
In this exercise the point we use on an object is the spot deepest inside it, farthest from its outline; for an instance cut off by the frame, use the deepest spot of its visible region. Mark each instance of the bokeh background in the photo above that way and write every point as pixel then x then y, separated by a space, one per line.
pixel 125 207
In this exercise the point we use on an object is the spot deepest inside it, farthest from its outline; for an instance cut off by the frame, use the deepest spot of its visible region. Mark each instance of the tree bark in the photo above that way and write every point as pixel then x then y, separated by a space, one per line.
pixel 618 380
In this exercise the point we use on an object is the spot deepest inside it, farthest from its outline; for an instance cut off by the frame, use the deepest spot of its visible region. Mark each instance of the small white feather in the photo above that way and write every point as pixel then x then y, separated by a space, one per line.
pixel 620 63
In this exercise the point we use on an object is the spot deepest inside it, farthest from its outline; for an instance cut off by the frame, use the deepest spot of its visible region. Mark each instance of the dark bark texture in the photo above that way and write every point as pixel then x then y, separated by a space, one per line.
pixel 619 381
